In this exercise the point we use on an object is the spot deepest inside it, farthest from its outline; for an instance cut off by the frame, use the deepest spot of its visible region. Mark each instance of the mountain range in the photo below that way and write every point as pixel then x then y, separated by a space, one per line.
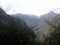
pixel 13 21
pixel 38 24
pixel 43 28
pixel 30 20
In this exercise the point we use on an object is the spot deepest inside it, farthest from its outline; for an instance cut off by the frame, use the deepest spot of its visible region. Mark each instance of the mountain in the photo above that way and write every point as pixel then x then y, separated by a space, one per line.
pixel 43 27
pixel 39 25
pixel 6 18
pixel 55 22
pixel 30 20
pixel 14 31
pixel 47 17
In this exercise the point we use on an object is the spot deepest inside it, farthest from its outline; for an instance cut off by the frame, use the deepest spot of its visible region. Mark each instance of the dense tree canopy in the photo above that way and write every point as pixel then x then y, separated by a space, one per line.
pixel 16 35
pixel 14 31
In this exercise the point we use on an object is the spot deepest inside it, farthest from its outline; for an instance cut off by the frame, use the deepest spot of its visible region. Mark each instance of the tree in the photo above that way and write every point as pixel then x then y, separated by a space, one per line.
pixel 54 35
pixel 16 35
pixel 54 38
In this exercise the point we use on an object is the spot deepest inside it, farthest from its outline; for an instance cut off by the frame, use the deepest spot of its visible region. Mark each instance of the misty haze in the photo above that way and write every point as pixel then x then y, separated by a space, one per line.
pixel 29 22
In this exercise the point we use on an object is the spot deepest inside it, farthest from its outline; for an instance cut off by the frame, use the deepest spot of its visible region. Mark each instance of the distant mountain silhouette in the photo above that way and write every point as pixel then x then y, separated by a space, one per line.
pixel 30 20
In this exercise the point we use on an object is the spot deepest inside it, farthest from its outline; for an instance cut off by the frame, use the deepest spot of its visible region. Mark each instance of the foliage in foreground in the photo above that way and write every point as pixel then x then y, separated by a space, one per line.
pixel 16 35
pixel 54 37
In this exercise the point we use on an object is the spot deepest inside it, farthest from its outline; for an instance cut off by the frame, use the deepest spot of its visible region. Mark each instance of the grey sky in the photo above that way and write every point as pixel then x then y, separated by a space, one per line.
pixel 36 7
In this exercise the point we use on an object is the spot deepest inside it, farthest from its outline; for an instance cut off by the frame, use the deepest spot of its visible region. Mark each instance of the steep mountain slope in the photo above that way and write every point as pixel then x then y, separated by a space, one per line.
pixel 47 16
pixel 12 20
pixel 30 20
pixel 39 25
pixel 55 22
pixel 43 27
pixel 33 21
pixel 14 31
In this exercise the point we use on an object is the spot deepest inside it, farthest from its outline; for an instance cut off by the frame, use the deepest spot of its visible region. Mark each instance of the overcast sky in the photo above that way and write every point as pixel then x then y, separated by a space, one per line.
pixel 35 7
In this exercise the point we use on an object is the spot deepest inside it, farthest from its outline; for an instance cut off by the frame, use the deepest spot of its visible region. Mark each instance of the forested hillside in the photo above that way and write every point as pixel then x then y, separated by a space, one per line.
pixel 14 31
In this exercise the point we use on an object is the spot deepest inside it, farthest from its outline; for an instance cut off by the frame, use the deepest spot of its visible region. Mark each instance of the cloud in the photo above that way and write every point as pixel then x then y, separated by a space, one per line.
pixel 36 7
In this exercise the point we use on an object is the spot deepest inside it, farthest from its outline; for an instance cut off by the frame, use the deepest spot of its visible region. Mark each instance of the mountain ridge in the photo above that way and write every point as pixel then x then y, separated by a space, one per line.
pixel 30 20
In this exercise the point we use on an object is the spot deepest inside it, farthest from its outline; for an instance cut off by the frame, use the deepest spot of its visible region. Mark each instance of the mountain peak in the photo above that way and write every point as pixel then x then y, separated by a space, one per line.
pixel 2 11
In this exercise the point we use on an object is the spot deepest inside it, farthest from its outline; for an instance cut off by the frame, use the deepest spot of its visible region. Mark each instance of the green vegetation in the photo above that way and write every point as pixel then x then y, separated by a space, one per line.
pixel 54 38
pixel 14 31
pixel 54 35
pixel 16 35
